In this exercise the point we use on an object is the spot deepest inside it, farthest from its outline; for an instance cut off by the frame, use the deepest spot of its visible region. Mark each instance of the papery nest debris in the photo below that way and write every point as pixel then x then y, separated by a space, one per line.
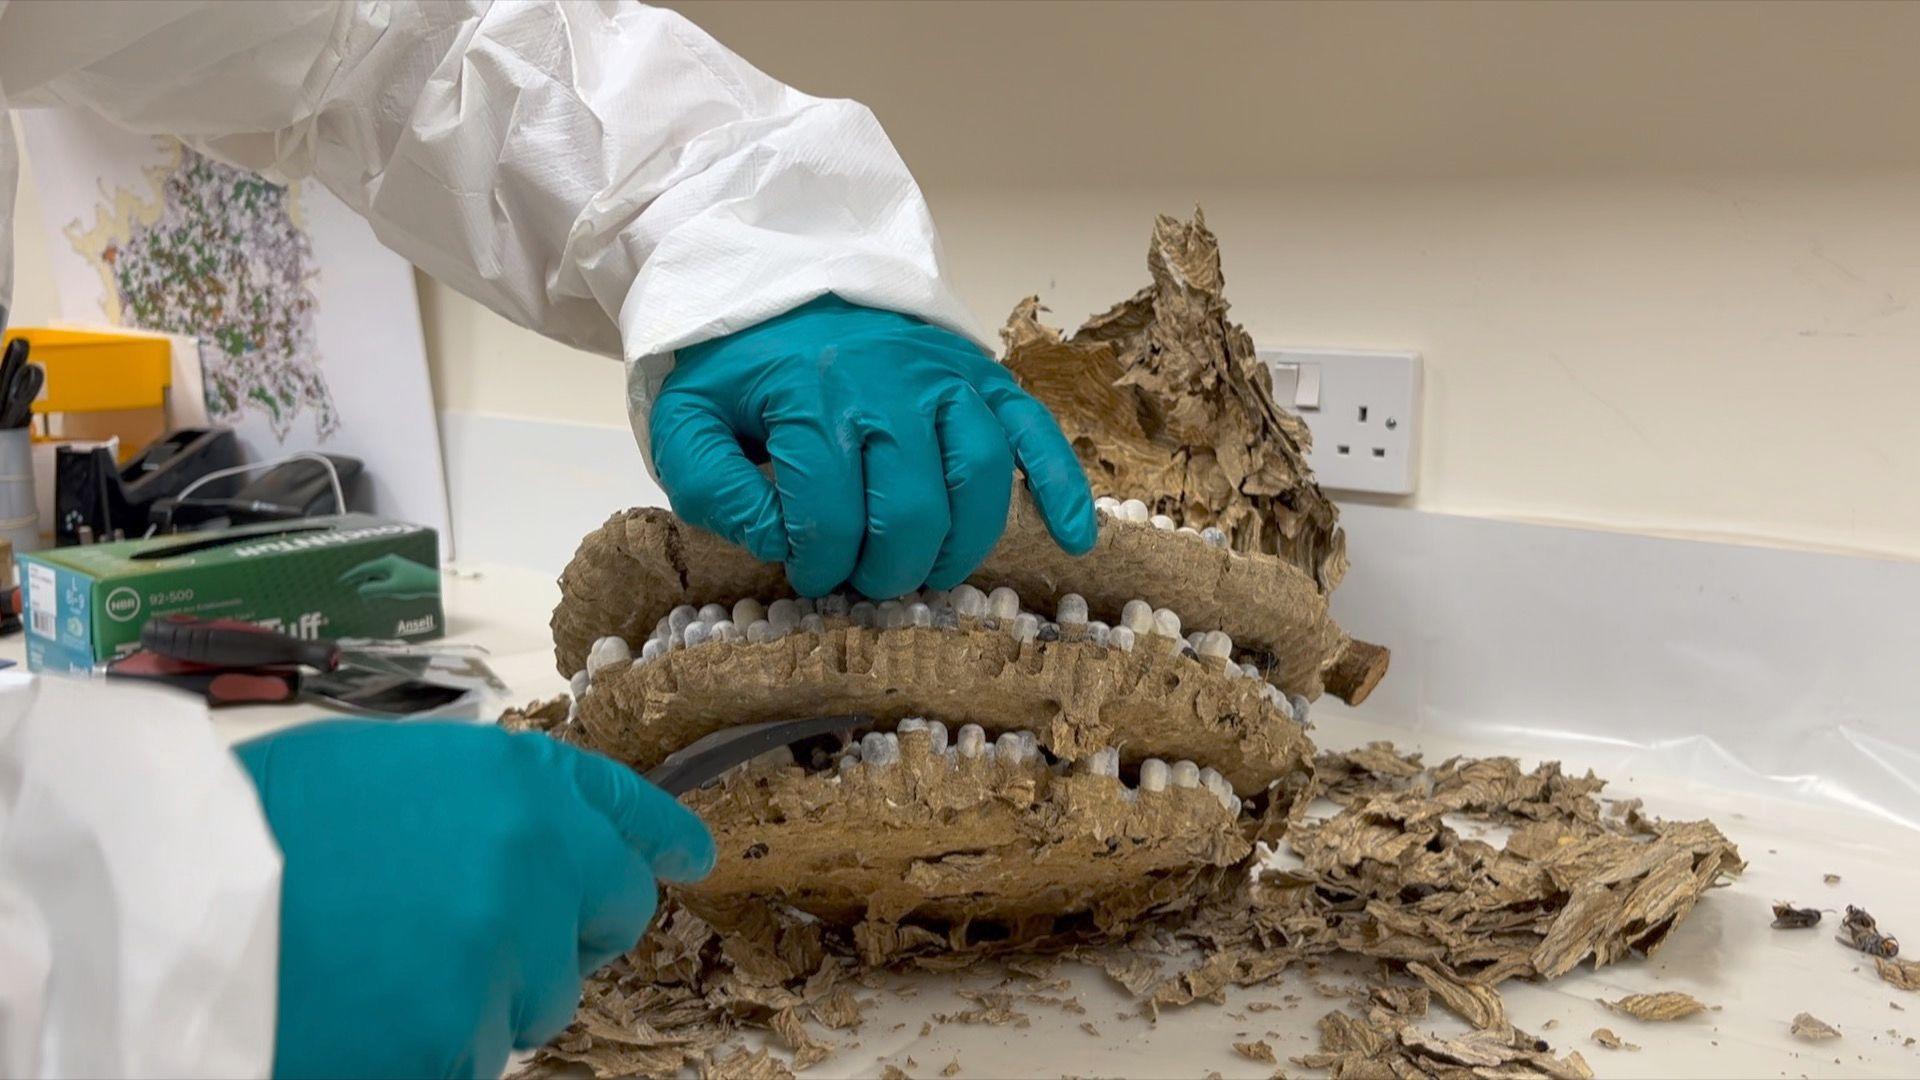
pixel 1101 759
pixel 1383 877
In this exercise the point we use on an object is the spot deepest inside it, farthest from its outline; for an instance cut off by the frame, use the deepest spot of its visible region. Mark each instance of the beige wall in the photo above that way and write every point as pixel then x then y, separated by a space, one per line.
pixel 1661 259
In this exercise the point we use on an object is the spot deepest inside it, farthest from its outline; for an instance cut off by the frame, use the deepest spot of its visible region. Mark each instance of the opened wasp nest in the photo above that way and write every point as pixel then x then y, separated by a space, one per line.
pixel 1090 738
pixel 1085 754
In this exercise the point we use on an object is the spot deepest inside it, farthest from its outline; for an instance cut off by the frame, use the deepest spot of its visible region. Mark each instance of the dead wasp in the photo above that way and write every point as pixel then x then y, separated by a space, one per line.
pixel 1859 931
pixel 1788 917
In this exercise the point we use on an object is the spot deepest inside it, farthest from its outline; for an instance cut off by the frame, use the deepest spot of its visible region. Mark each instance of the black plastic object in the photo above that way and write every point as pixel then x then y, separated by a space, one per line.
pixel 706 758
pixel 289 491
pixel 234 644
pixel 91 492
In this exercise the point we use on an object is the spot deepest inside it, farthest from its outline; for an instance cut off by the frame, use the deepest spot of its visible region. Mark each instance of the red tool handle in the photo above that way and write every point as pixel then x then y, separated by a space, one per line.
pixel 220 686
pixel 230 643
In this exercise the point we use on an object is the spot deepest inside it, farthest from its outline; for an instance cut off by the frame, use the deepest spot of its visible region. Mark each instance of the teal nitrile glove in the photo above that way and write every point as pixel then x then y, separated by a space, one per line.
pixel 448 886
pixel 893 443
pixel 393 577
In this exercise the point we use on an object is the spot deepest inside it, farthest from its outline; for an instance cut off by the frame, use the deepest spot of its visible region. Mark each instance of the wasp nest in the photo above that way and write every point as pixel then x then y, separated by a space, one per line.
pixel 1083 753
pixel 1089 738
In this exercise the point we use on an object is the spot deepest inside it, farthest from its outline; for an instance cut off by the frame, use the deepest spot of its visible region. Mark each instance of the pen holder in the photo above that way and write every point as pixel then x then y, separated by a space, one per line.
pixel 19 517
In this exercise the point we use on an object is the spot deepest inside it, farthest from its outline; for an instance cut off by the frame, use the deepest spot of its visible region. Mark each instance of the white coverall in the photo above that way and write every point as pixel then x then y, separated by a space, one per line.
pixel 604 173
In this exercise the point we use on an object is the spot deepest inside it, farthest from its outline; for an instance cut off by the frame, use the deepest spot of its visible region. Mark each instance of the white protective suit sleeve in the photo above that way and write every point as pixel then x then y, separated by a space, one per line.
pixel 139 888
pixel 604 173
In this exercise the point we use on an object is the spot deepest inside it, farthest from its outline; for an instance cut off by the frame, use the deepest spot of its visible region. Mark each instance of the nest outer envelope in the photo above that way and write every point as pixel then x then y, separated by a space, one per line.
pixel 1165 400
pixel 643 563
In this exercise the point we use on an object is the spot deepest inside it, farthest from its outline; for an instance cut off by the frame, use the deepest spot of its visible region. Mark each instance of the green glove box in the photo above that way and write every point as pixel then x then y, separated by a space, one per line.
pixel 345 576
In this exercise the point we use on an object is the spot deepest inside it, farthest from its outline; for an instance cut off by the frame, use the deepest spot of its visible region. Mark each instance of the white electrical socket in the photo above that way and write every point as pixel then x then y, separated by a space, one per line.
pixel 1363 408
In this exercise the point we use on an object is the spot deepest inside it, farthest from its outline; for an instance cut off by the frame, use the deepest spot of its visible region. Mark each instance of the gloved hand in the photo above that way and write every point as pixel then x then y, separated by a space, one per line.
pixel 447 886
pixel 893 443
pixel 393 577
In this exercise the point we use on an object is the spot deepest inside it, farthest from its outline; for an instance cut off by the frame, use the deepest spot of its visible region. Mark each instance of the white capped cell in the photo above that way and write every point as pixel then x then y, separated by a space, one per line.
pixel 697 633
pixel 891 616
pixel 911 724
pixel 968 602
pixel 862 613
pixel 714 613
pixel 607 652
pixel 1025 627
pixel 1105 762
pixel 1121 638
pixel 972 741
pixel 1107 504
pixel 1213 536
pixel 1071 610
pixel 1025 747
pixel 830 606
pixel 1185 774
pixel 652 651
pixel 879 748
pixel 748 611
pixel 1249 671
pixel 1153 775
pixel 724 630
pixel 1299 706
pixel 919 615
pixel 1135 510
pixel 1188 530
pixel 1214 782
pixel 1166 623
pixel 812 623
pixel 1137 616
pixel 1098 633
pixel 1003 603
pixel 1009 749
pixel 1215 644
pixel 681 617
pixel 578 684
pixel 760 631
pixel 1161 522
pixel 784 615
pixel 936 736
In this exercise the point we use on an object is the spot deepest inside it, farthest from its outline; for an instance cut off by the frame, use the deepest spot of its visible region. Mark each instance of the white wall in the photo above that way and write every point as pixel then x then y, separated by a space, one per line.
pixel 1662 259
pixel 1701 355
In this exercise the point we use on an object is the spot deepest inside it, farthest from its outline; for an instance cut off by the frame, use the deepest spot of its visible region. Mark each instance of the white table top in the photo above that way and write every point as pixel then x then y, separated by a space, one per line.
pixel 1725 954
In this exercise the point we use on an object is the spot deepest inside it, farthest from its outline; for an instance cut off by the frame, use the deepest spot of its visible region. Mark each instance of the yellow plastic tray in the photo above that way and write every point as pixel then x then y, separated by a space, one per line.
pixel 91 371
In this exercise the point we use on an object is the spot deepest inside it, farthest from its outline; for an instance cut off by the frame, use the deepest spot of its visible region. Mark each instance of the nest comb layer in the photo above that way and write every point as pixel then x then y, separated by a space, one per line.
pixel 1007 778
pixel 1075 696
pixel 643 563
pixel 970 840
